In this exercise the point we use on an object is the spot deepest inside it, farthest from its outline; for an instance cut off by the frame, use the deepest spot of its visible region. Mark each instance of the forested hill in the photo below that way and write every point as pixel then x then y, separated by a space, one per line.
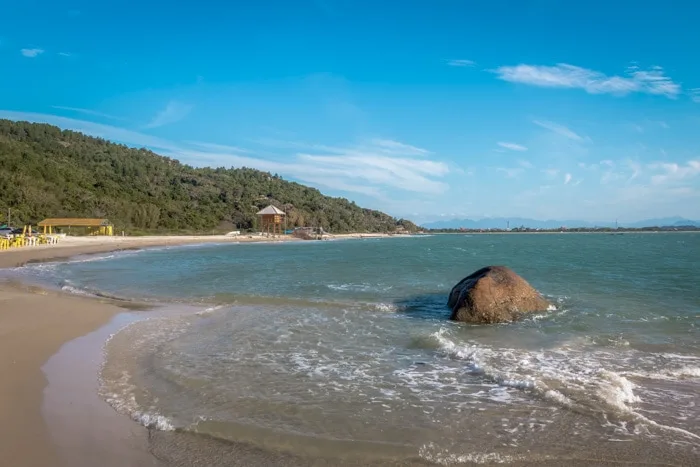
pixel 47 172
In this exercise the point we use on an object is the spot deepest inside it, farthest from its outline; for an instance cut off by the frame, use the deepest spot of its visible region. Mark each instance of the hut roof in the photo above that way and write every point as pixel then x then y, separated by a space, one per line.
pixel 74 222
pixel 270 210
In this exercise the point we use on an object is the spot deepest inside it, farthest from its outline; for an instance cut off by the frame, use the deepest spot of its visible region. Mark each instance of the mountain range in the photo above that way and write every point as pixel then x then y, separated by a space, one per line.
pixel 513 222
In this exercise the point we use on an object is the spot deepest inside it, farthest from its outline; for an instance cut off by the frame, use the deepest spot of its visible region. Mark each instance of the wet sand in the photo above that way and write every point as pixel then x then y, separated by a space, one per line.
pixel 34 324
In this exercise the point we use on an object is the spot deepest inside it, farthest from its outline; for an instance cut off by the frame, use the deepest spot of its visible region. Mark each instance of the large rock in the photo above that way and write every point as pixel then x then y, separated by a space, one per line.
pixel 494 294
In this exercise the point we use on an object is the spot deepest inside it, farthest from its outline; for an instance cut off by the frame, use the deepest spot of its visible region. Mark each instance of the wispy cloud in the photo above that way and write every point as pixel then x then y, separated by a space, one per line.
pixel 562 75
pixel 172 113
pixel 88 112
pixel 636 169
pixel 672 171
pixel 65 54
pixel 558 129
pixel 31 53
pixel 695 95
pixel 371 168
pixel 99 130
pixel 394 147
pixel 567 178
pixel 512 146
pixel 551 173
pixel 526 164
pixel 510 172
pixel 218 147
pixel 460 62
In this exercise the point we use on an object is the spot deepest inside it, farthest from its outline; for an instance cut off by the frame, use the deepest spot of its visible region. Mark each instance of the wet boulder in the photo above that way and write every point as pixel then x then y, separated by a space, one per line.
pixel 494 294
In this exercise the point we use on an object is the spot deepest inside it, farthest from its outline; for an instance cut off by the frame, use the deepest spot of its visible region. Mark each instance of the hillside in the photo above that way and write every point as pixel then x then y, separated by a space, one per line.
pixel 47 172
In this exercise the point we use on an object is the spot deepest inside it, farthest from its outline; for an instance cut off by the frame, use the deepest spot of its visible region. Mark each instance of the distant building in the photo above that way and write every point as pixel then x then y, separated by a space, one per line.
pixel 271 220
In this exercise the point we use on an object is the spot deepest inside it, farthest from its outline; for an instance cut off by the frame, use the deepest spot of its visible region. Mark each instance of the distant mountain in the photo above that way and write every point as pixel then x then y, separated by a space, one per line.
pixel 513 222
pixel 664 222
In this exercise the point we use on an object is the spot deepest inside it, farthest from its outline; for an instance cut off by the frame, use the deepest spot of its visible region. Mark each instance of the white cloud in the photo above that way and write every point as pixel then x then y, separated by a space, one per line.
pixel 672 171
pixel 512 146
pixel 510 172
pixel 461 63
pixel 526 164
pixel 31 53
pixel 562 75
pixel 173 112
pixel 99 130
pixel 551 172
pixel 366 168
pixel 695 95
pixel 558 129
pixel 394 147
pixel 218 147
pixel 88 112
pixel 636 169
pixel 65 54
pixel 567 178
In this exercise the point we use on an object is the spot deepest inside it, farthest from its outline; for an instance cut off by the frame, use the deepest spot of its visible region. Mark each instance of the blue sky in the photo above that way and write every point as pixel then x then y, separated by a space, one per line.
pixel 424 109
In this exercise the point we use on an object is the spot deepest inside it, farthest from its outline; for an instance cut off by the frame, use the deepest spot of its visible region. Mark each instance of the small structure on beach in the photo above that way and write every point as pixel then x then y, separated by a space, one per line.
pixel 271 220
pixel 77 225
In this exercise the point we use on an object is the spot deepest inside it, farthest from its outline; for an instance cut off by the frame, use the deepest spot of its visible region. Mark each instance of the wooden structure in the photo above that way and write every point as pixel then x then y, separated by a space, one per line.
pixel 271 220
pixel 81 226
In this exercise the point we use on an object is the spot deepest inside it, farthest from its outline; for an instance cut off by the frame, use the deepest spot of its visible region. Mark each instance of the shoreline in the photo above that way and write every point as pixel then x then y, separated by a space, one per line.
pixel 46 416
pixel 35 324
pixel 77 246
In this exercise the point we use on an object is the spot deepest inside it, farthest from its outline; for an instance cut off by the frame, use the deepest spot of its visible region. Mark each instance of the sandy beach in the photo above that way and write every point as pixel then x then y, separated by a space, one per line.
pixel 34 325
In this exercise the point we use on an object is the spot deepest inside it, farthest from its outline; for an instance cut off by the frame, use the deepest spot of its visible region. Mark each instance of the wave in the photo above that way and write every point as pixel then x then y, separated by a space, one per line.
pixel 70 287
pixel 575 379
pixel 123 400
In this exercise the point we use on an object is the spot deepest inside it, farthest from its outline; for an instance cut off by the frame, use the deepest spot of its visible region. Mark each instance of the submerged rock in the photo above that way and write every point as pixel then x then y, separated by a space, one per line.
pixel 494 294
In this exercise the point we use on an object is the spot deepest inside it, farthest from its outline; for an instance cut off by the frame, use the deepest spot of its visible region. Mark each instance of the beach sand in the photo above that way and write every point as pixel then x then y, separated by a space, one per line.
pixel 34 324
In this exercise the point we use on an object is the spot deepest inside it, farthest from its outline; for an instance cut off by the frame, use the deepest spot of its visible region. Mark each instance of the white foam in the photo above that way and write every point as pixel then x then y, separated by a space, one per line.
pixel 566 377
pixel 432 453
pixel 386 307
pixel 158 422
pixel 210 310
pixel 123 400
pixel 74 290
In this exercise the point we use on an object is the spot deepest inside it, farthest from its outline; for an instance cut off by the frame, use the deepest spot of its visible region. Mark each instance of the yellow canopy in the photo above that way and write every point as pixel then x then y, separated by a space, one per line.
pixel 74 222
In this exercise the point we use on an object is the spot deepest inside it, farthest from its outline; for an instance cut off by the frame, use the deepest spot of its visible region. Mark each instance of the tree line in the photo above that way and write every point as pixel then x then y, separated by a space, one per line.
pixel 49 172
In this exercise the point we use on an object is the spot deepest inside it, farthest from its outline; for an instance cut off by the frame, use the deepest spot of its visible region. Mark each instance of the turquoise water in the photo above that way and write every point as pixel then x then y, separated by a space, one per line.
pixel 343 348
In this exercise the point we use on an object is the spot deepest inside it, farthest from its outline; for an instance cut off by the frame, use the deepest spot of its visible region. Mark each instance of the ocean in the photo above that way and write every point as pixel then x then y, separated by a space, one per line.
pixel 342 352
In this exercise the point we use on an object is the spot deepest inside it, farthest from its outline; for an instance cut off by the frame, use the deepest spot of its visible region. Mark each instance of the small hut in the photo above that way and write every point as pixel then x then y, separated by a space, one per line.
pixel 80 226
pixel 271 219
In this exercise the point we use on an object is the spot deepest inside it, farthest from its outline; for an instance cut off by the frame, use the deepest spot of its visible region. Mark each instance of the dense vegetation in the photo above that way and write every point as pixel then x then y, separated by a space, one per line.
pixel 47 172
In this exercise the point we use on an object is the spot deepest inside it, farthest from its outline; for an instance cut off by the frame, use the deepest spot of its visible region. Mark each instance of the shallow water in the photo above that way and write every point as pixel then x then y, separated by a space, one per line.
pixel 343 349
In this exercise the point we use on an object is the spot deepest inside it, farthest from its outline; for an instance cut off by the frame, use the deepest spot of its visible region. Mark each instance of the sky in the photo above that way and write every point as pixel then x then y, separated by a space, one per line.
pixel 427 109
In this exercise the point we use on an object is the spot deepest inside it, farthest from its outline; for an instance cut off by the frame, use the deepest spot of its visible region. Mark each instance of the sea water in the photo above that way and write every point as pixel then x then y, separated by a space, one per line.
pixel 343 349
